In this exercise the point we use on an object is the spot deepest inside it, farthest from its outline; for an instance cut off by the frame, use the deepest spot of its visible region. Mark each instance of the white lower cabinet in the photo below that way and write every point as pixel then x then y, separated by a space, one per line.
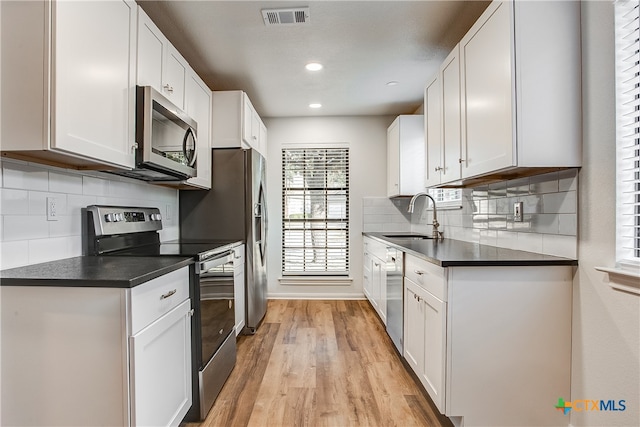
pixel 97 356
pixel 161 370
pixel 239 287
pixel 375 276
pixel 478 336
pixel 425 336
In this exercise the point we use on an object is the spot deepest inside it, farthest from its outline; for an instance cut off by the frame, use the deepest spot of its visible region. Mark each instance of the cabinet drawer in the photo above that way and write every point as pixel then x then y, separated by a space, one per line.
pixel 375 248
pixel 153 299
pixel 428 276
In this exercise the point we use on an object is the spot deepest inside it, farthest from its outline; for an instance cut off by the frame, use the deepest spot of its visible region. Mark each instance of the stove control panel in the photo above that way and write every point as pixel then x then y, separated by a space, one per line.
pixel 109 220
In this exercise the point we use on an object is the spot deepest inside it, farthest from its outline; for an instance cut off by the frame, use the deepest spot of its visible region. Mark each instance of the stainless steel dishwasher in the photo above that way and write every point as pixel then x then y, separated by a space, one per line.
pixel 395 292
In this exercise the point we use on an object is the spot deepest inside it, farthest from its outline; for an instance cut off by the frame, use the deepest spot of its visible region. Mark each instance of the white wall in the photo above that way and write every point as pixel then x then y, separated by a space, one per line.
pixel 366 138
pixel 26 237
pixel 606 323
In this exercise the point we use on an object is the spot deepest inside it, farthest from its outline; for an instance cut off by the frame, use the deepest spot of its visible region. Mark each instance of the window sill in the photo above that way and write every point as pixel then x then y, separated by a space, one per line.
pixel 315 281
pixel 623 279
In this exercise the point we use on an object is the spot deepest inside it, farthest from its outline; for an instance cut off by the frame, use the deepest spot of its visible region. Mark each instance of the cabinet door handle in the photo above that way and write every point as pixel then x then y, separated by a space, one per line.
pixel 438 168
pixel 460 160
pixel 168 88
pixel 168 294
pixel 191 312
pixel 376 264
pixel 418 272
pixel 418 298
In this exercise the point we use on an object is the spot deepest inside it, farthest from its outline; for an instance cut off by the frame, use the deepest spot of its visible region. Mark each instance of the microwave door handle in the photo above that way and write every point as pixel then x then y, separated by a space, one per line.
pixel 192 161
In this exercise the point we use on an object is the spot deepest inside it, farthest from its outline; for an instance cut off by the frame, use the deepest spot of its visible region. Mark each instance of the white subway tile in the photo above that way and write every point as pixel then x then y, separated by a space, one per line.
pixel 547 183
pixel 14 202
pixel 372 228
pixel 367 201
pixel 488 237
pixel 14 254
pixel 568 180
pixel 563 246
pixel 65 226
pixel 95 186
pixel 507 239
pixel 24 177
pixel 38 203
pixel 21 227
pixel 396 227
pixel 529 242
pixel 43 250
pixel 172 233
pixel 568 224
pixel 65 183
pixel 75 203
pixel 560 202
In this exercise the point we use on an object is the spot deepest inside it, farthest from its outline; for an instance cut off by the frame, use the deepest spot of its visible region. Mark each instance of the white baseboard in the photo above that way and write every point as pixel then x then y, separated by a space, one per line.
pixel 317 296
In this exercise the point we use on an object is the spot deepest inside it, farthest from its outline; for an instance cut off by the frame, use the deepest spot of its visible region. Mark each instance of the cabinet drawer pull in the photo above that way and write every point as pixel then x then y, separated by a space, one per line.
pixel 418 272
pixel 168 294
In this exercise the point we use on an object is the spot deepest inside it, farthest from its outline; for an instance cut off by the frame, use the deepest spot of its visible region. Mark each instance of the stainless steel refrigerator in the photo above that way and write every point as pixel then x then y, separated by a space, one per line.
pixel 234 209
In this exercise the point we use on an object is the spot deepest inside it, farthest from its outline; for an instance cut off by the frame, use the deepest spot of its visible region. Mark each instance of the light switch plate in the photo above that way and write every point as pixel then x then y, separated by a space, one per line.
pixel 517 212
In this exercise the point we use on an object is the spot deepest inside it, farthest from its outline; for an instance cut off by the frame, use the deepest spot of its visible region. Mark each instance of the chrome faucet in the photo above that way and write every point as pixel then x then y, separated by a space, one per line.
pixel 437 235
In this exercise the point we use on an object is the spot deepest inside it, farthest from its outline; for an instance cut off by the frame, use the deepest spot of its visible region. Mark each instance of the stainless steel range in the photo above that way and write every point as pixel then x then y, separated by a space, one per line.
pixel 133 231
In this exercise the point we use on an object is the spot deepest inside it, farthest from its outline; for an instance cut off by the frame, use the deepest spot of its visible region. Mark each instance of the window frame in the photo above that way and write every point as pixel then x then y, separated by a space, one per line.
pixel 627 91
pixel 344 153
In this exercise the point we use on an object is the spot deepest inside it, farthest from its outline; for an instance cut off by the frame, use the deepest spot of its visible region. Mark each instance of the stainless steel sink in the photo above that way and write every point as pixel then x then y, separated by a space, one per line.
pixel 407 236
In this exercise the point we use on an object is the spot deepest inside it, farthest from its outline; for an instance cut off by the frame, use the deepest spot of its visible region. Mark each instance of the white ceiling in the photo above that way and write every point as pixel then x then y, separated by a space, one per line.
pixel 362 44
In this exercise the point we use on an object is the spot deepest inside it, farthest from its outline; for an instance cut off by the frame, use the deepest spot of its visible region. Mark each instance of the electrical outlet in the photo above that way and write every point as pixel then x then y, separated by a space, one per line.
pixel 52 209
pixel 517 212
pixel 168 215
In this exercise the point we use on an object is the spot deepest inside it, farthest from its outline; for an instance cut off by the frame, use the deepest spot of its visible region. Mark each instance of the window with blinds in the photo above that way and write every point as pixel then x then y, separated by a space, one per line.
pixel 446 196
pixel 628 131
pixel 315 211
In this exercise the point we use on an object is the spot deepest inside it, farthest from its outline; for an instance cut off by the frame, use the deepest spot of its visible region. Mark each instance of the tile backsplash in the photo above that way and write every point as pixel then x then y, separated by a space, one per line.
pixel 27 237
pixel 485 215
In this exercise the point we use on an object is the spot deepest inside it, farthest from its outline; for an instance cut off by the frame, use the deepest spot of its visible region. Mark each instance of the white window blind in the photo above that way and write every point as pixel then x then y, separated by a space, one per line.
pixel 315 211
pixel 628 131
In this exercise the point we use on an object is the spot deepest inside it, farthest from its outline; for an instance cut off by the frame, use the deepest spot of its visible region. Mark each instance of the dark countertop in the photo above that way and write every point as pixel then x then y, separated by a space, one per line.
pixel 451 253
pixel 93 271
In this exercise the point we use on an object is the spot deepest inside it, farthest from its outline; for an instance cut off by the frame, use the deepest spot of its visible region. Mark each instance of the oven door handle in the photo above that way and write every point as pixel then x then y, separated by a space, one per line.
pixel 221 260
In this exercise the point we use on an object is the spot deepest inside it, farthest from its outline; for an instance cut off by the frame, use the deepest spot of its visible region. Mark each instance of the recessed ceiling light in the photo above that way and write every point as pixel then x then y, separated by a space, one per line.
pixel 314 66
pixel 315 105
pixel 392 83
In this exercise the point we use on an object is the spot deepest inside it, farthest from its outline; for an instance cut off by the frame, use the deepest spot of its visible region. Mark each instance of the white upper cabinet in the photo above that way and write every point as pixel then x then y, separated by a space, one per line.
pixel 70 84
pixel 236 123
pixel 521 88
pixel 432 133
pixel 443 123
pixel 405 156
pixel 198 107
pixel 160 65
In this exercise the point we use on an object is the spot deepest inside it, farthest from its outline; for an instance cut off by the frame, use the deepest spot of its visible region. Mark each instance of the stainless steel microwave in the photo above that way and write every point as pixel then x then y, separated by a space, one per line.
pixel 166 139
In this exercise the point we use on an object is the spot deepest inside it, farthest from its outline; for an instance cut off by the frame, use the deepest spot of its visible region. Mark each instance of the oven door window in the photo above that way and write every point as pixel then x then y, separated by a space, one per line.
pixel 217 313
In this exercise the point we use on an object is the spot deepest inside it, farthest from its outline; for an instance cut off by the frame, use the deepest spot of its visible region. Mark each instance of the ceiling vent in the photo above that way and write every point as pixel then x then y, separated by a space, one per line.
pixel 292 16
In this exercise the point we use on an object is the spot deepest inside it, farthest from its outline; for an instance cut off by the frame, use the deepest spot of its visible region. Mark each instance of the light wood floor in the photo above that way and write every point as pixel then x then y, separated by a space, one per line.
pixel 320 363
